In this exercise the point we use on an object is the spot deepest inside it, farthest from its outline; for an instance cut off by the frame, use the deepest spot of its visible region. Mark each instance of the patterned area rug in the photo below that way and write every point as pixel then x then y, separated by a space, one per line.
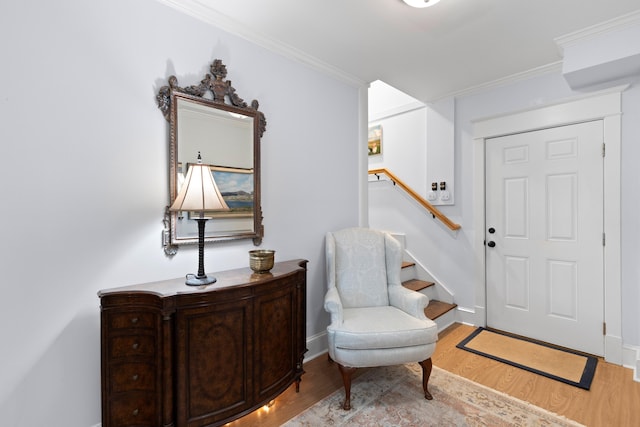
pixel 392 396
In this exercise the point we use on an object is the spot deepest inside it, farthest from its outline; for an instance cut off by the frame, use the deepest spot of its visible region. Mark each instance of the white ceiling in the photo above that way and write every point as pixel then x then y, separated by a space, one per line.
pixel 427 53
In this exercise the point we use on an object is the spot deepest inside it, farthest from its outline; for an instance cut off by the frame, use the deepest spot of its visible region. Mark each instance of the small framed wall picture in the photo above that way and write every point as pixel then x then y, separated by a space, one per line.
pixel 375 140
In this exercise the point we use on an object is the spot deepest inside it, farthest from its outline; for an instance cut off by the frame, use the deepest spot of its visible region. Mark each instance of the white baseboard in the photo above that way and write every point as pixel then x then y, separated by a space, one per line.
pixel 613 349
pixel 316 345
pixel 631 360
pixel 470 316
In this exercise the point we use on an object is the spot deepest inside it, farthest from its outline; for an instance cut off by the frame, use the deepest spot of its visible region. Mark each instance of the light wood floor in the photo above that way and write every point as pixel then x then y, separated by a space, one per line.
pixel 614 398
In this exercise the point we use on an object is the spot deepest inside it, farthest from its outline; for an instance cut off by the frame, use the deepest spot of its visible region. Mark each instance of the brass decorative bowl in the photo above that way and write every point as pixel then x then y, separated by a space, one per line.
pixel 261 260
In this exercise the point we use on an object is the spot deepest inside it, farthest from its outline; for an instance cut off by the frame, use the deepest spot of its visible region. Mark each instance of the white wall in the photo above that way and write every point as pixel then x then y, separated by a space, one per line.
pixel 404 135
pixel 85 166
pixel 404 149
pixel 417 140
pixel 629 222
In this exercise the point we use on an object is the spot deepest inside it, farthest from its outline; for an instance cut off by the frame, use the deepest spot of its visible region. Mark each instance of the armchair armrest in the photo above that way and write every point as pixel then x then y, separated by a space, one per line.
pixel 409 301
pixel 333 306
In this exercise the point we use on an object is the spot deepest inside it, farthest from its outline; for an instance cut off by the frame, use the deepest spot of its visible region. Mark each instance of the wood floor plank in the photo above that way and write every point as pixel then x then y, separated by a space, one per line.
pixel 614 398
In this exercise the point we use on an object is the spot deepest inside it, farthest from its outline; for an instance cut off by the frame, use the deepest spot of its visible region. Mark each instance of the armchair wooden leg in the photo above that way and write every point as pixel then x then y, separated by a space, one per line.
pixel 347 373
pixel 426 373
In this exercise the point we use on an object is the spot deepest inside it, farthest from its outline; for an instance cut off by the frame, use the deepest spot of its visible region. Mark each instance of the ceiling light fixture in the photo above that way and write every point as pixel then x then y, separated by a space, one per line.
pixel 421 3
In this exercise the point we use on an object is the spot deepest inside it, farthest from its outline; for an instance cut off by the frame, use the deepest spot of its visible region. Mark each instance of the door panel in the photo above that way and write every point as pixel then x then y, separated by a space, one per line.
pixel 544 193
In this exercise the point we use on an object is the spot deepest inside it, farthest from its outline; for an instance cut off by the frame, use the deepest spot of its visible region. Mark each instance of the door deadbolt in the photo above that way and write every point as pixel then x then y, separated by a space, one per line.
pixel 492 230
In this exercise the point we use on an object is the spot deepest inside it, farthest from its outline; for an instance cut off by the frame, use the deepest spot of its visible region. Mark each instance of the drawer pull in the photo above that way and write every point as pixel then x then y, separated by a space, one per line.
pixel 135 346
pixel 134 320
pixel 135 377
pixel 135 412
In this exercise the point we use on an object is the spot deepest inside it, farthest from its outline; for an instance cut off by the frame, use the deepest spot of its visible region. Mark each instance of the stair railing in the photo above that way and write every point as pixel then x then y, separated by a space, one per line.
pixel 424 203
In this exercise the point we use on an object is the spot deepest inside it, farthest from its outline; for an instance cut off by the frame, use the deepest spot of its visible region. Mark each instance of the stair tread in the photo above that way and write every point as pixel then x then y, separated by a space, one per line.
pixel 417 284
pixel 437 308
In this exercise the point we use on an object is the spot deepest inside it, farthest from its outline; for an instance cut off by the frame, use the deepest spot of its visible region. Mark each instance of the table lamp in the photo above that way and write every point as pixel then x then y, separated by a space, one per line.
pixel 199 194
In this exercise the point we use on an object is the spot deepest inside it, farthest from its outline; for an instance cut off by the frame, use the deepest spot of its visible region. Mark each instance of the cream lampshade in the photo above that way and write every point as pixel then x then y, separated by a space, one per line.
pixel 199 194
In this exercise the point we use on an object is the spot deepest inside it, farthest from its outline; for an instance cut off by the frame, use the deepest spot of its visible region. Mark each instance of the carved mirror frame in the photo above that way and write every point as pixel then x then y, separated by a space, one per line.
pixel 216 93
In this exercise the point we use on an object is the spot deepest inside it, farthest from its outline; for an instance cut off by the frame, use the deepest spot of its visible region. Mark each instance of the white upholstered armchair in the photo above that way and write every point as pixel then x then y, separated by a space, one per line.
pixel 375 321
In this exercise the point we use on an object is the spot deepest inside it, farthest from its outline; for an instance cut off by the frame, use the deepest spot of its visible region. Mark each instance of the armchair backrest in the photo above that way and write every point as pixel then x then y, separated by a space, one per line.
pixel 361 264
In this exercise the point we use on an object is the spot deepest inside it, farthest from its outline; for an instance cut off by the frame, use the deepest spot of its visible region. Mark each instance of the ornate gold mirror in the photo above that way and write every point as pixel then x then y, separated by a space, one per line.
pixel 210 119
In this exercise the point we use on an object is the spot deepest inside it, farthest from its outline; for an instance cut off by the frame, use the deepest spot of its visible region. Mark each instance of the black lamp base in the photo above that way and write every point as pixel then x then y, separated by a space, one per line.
pixel 193 280
pixel 200 278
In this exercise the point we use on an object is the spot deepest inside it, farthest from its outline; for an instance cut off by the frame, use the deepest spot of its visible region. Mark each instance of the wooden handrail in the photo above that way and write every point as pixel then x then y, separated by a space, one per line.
pixel 428 206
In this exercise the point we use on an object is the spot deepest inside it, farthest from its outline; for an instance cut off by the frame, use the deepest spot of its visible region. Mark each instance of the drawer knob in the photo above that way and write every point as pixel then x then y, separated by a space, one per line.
pixel 135 377
pixel 135 412
pixel 134 320
pixel 135 345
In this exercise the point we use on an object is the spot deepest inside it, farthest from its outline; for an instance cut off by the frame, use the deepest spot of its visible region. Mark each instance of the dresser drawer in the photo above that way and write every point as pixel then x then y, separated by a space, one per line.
pixel 132 346
pixel 134 320
pixel 132 377
pixel 133 409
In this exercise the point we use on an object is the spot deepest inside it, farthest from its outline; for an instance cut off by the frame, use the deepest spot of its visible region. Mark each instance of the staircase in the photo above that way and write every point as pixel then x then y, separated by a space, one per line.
pixel 441 312
pixel 415 275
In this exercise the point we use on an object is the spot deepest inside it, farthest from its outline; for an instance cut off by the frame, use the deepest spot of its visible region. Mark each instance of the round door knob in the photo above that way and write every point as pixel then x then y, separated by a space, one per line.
pixel 492 230
pixel 491 244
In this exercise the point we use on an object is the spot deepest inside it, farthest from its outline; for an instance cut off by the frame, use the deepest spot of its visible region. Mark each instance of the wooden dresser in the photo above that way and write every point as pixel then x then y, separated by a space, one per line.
pixel 175 355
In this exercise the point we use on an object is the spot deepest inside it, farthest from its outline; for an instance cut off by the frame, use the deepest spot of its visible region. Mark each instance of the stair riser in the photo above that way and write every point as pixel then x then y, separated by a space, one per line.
pixel 407 274
pixel 446 320
pixel 430 292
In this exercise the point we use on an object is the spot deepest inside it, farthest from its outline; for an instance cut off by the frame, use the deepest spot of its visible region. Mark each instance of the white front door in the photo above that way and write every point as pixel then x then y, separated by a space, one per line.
pixel 544 235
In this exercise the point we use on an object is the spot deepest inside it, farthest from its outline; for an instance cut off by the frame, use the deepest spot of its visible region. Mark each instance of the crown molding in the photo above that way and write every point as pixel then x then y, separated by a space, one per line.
pixel 503 81
pixel 621 22
pixel 204 13
pixel 615 24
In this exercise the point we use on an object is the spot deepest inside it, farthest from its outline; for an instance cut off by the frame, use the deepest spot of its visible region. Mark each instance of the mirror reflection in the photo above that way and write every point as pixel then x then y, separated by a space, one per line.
pixel 211 119
pixel 225 141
